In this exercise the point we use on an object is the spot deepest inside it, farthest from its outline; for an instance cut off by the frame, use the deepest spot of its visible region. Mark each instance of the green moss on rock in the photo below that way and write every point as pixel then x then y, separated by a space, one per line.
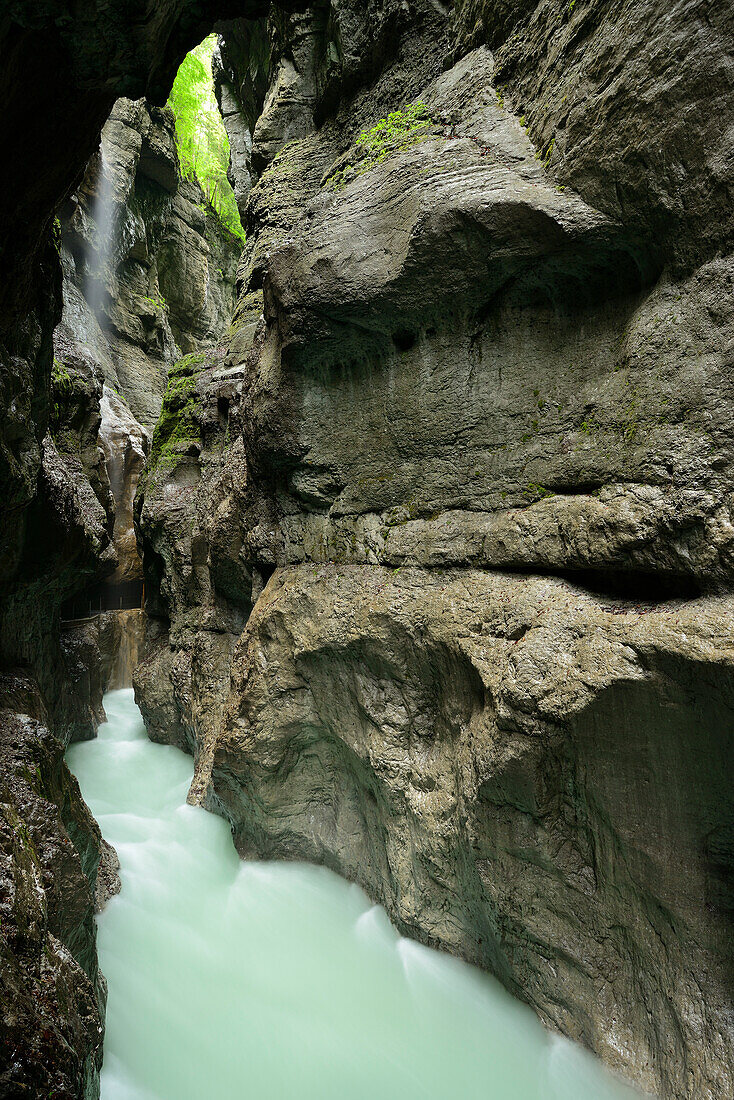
pixel 178 424
pixel 63 384
pixel 398 131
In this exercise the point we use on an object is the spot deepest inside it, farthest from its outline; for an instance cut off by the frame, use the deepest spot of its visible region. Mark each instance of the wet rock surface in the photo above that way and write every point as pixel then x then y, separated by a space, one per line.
pixel 120 637
pixel 500 345
pixel 149 271
pixel 51 992
pixel 488 344
pixel 524 774
pixel 53 995
pixel 625 107
pixel 59 532
pixel 60 79
pixel 63 542
pixel 125 443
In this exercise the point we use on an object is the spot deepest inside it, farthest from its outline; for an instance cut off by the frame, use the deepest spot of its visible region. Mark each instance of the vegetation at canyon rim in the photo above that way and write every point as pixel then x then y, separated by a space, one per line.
pixel 203 145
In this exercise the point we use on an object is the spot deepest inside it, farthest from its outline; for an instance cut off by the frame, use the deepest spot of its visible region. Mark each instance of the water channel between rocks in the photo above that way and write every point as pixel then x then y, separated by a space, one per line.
pixel 267 981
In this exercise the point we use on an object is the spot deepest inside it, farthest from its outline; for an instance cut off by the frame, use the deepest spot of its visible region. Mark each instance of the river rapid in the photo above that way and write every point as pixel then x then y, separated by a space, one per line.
pixel 274 981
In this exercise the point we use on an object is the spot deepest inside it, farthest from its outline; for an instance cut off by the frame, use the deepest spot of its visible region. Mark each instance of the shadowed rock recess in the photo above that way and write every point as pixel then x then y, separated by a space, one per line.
pixel 437 537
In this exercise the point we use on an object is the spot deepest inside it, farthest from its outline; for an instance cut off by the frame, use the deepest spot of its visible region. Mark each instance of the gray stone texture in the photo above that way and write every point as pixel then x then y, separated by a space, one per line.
pixel 474 472
pixel 164 286
pixel 60 75
pixel 501 352
pixel 53 995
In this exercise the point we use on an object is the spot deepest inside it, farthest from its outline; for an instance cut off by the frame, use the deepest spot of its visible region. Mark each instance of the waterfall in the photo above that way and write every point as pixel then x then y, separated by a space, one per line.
pixel 103 215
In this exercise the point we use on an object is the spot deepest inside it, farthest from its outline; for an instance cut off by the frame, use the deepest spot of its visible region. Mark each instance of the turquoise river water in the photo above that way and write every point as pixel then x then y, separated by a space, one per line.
pixel 264 981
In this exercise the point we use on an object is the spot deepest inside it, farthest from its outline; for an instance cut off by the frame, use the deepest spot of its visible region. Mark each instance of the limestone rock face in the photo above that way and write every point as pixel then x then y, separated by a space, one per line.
pixel 499 343
pixel 51 993
pixel 526 775
pixel 53 996
pixel 241 66
pixel 473 471
pixel 191 516
pixel 60 75
pixel 629 107
pixel 125 443
pixel 149 272
pixel 120 640
pixel 586 366
pixel 64 542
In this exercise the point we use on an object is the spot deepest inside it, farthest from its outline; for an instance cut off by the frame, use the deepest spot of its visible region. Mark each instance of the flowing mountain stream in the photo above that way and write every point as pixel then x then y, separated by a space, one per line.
pixel 275 981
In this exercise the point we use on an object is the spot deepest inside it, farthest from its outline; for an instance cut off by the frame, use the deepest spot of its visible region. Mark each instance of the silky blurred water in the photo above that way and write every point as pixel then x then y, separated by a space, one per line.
pixel 265 981
pixel 102 246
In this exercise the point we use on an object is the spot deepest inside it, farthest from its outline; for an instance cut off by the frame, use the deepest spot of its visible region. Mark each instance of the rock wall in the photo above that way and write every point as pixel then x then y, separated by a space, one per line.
pixel 125 443
pixel 526 775
pixel 471 434
pixel 121 637
pixel 60 78
pixel 149 270
pixel 61 339
pixel 53 995
pixel 496 342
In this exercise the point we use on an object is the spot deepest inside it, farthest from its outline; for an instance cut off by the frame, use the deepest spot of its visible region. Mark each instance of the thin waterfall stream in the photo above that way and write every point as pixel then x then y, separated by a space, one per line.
pixel 273 981
pixel 104 217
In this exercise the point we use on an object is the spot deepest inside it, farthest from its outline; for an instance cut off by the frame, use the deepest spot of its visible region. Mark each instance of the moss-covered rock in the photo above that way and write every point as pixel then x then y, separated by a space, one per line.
pixel 399 130
pixel 178 426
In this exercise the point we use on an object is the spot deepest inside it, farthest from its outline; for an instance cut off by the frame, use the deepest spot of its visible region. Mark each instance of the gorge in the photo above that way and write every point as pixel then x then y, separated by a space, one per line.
pixel 275 979
pixel 426 489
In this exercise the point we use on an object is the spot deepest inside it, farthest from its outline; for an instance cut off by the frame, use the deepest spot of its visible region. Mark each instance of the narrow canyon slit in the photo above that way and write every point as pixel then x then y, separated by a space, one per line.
pixel 366 403
pixel 270 980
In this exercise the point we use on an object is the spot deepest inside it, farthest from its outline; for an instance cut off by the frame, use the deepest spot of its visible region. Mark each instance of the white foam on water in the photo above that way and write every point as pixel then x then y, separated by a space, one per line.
pixel 275 981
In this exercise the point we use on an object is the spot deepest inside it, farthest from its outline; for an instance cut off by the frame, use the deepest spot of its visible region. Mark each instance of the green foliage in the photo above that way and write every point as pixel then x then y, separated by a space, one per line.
pixel 178 423
pixel 390 135
pixel 399 129
pixel 60 377
pixel 545 156
pixel 156 300
pixel 56 234
pixel 533 492
pixel 203 145
pixel 62 390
